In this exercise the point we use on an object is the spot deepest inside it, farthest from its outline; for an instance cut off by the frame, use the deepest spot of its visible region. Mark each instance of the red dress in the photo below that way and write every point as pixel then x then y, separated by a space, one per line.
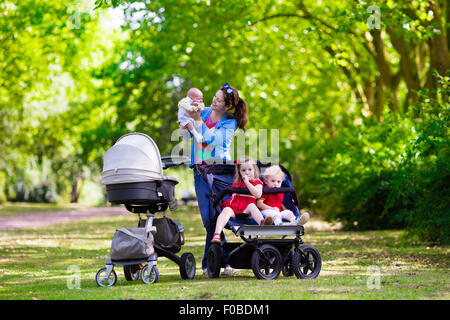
pixel 274 200
pixel 239 202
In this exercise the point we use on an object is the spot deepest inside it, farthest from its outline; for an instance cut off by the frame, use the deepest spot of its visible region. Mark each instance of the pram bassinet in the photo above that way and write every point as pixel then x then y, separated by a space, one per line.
pixel 133 175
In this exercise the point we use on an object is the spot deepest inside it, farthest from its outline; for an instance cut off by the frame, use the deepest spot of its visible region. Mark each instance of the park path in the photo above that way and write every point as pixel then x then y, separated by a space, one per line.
pixel 45 218
pixel 37 219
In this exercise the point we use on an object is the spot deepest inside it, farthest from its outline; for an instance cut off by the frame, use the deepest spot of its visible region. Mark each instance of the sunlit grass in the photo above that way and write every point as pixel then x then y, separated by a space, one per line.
pixel 34 264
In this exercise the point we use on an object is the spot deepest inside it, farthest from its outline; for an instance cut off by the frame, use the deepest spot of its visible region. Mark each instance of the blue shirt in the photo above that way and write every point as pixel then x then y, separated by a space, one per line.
pixel 218 139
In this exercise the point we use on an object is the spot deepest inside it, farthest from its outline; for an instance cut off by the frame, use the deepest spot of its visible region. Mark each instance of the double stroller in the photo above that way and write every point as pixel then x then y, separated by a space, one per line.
pixel 133 175
pixel 281 249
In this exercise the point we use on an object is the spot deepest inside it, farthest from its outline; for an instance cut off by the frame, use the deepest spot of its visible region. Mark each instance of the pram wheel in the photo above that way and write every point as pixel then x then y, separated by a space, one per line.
pixel 187 266
pixel 132 272
pixel 287 265
pixel 149 276
pixel 105 282
pixel 306 262
pixel 214 260
pixel 267 262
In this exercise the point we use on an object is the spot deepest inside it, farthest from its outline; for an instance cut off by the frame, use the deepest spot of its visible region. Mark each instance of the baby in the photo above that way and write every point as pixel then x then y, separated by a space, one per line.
pixel 271 205
pixel 193 102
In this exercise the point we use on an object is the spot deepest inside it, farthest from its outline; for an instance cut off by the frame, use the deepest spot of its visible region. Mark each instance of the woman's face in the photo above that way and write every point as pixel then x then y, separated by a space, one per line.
pixel 218 102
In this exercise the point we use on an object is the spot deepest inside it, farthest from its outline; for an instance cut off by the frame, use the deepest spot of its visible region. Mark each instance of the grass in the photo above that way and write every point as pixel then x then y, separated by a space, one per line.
pixel 42 263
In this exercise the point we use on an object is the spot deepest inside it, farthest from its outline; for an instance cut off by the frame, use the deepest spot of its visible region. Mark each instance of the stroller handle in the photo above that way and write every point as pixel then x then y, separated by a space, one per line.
pixel 174 161
pixel 230 190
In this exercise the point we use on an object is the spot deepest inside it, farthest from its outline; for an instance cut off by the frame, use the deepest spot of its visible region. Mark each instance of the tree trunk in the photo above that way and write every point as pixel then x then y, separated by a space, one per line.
pixel 439 46
pixel 76 188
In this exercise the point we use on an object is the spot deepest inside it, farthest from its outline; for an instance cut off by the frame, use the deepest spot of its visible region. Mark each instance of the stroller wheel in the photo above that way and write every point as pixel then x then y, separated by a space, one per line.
pixel 187 266
pixel 105 282
pixel 149 276
pixel 287 265
pixel 132 272
pixel 306 262
pixel 214 260
pixel 267 262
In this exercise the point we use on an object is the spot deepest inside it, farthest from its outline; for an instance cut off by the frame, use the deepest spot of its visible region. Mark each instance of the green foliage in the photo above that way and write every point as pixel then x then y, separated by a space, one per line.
pixel 420 187
pixel 357 108
pixel 395 174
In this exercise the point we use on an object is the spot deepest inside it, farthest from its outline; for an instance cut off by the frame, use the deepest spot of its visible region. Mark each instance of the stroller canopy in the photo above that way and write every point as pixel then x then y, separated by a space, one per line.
pixel 133 158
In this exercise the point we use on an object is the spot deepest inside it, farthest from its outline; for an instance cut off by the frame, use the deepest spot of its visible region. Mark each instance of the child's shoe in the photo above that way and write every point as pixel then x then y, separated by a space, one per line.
pixel 216 238
pixel 302 219
pixel 266 222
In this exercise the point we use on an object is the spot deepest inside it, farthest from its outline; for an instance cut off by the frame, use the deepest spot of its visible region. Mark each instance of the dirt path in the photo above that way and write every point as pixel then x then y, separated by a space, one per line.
pixel 45 218
pixel 37 219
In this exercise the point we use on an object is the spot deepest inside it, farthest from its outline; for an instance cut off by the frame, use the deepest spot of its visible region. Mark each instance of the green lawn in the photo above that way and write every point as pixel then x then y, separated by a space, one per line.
pixel 42 264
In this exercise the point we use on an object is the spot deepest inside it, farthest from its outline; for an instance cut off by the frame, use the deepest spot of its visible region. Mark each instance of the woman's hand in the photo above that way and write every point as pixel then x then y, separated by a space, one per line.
pixel 189 126
pixel 194 115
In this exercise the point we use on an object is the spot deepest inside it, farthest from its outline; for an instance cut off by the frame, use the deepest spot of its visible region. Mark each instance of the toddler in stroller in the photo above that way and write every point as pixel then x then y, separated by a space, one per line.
pixel 133 175
pixel 271 205
pixel 247 176
pixel 283 251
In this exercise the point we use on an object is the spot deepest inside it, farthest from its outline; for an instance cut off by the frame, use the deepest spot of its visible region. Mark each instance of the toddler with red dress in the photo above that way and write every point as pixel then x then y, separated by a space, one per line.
pixel 247 176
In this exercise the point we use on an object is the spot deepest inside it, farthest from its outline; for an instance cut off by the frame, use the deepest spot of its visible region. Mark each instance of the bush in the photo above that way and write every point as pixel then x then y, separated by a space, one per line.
pixel 421 184
pixel 394 174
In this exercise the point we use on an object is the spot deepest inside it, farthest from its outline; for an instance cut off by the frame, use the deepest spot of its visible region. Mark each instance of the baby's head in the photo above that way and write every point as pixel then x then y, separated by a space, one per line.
pixel 273 177
pixel 246 166
pixel 196 95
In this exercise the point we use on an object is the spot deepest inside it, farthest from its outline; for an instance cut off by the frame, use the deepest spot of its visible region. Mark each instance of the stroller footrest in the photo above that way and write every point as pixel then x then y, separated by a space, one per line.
pixel 268 230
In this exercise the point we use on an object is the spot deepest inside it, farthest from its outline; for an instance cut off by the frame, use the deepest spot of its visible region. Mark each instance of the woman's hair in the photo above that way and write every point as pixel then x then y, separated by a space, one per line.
pixel 238 104
pixel 245 159
pixel 274 171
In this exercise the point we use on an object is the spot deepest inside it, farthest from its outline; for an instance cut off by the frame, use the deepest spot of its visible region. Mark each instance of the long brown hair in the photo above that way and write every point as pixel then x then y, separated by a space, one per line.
pixel 238 104
pixel 242 160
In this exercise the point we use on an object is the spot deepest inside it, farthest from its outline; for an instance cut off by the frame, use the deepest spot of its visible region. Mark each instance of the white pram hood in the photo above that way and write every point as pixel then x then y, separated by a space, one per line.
pixel 133 158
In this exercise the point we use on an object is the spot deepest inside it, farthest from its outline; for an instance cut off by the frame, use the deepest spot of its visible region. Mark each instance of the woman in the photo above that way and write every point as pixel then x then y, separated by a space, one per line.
pixel 216 125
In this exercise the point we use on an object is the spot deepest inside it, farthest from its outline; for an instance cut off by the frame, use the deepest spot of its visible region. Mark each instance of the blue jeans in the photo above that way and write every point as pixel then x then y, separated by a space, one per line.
pixel 206 210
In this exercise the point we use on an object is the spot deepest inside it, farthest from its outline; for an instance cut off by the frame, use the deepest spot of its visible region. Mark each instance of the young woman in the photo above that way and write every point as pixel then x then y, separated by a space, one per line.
pixel 216 125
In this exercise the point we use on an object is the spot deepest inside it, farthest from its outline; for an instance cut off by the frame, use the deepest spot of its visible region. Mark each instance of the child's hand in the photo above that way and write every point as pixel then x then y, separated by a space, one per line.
pixel 245 179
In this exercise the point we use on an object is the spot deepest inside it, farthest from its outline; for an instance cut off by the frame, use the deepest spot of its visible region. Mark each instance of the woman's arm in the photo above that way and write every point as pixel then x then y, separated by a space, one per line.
pixel 220 136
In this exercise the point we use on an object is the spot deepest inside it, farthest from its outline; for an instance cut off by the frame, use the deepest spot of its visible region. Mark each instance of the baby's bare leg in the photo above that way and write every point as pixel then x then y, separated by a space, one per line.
pixel 223 219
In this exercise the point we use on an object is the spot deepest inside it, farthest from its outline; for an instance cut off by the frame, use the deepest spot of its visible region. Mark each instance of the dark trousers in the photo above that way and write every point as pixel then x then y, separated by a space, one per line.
pixel 206 209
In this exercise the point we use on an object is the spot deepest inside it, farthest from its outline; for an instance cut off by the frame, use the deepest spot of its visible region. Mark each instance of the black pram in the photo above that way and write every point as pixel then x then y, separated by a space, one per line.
pixel 266 257
pixel 133 175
